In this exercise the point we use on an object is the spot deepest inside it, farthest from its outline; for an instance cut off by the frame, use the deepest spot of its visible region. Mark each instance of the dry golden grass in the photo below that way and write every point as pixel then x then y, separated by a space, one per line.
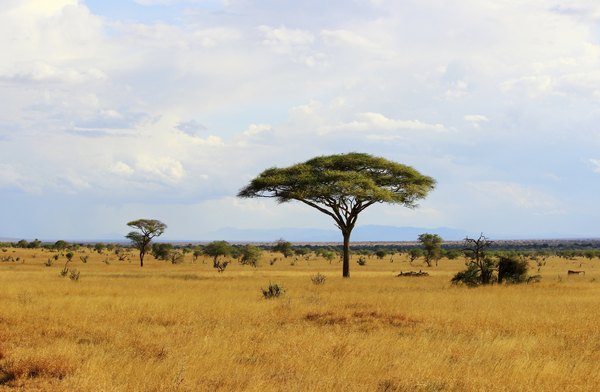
pixel 187 328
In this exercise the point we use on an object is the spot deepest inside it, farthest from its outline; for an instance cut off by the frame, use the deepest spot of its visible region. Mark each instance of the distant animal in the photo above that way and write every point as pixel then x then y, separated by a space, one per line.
pixel 573 272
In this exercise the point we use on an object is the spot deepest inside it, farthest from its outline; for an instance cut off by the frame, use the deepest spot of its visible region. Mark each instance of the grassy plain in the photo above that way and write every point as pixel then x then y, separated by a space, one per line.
pixel 185 327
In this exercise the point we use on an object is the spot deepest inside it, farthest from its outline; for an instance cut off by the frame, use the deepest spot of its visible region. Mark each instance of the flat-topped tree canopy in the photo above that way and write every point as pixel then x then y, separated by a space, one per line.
pixel 342 186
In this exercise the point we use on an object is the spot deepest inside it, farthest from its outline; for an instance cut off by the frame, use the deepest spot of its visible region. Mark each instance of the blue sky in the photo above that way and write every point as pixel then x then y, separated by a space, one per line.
pixel 118 110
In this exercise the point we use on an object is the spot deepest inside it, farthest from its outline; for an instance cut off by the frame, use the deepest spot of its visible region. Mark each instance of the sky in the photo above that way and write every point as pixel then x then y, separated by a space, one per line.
pixel 115 110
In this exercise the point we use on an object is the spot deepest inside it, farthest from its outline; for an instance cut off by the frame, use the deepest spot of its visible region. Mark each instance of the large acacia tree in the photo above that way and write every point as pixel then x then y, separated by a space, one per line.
pixel 148 229
pixel 342 186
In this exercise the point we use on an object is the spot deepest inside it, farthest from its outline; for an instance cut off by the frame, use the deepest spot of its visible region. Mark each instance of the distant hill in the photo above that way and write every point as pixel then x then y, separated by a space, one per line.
pixel 368 233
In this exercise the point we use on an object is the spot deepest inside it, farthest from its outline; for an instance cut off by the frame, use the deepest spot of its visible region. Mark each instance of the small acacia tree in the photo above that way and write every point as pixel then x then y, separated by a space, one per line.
pixel 284 247
pixel 250 255
pixel 432 247
pixel 342 186
pixel 218 249
pixel 148 229
pixel 480 266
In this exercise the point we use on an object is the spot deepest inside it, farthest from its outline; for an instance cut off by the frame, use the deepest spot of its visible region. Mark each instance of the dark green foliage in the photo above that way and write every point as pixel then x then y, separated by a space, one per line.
pixel 301 251
pixel 284 247
pixel 197 253
pixel 452 254
pixel 69 256
pixel 476 252
pixel 99 247
pixel 272 291
pixel 511 269
pixel 35 244
pixel 218 249
pixel 380 254
pixel 176 256
pixel 148 229
pixel 61 245
pixel 236 252
pixel 161 251
pixel 342 186
pixel 250 255
pixel 362 261
pixel 432 247
pixel 22 244
pixel 472 276
pixel 481 267
pixel 327 255
pixel 414 254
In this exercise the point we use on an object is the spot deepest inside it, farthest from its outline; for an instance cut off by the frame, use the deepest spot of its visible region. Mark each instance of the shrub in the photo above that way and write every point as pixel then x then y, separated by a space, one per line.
pixel 273 291
pixel 161 251
pixel 470 277
pixel 318 279
pixel 414 254
pixel 250 255
pixel 512 269
pixel 84 259
pixel 176 257
pixel 284 247
pixel 74 275
pixel 381 254
pixel 49 262
pixel 220 265
pixel 361 261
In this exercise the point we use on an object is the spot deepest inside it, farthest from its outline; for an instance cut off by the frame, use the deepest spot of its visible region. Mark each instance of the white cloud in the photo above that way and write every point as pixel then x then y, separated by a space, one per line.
pixel 285 40
pixel 346 37
pixel 376 122
pixel 520 196
pixel 121 169
pixel 476 118
pixel 164 168
pixel 596 164
pixel 151 105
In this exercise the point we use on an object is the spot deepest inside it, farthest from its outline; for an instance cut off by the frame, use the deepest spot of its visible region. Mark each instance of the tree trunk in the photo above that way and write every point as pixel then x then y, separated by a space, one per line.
pixel 346 251
pixel 141 259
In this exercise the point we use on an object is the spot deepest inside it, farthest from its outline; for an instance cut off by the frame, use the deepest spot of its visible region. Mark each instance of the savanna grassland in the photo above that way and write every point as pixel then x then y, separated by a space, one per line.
pixel 185 327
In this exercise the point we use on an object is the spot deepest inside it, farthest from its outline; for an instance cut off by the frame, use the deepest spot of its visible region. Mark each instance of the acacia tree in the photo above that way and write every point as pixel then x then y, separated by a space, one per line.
pixel 342 186
pixel 480 267
pixel 148 229
pixel 432 247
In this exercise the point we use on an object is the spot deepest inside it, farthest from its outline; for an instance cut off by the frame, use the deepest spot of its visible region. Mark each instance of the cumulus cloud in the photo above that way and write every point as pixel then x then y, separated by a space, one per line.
pixel 520 196
pixel 283 39
pixel 132 100
pixel 191 127
pixel 476 118
pixel 596 165
pixel 376 122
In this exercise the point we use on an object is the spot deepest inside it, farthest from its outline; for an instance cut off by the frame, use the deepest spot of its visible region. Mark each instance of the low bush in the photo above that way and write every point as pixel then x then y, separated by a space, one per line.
pixel 273 291
pixel 318 279
pixel 511 269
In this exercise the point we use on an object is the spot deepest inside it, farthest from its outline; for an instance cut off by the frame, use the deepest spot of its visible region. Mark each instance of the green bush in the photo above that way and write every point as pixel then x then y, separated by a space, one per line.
pixel 511 269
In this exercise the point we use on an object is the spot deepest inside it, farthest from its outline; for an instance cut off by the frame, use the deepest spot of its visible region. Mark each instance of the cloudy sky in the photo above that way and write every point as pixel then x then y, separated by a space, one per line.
pixel 114 110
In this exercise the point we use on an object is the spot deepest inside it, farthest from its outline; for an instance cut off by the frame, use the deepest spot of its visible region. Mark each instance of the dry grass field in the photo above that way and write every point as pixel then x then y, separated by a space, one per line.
pixel 186 327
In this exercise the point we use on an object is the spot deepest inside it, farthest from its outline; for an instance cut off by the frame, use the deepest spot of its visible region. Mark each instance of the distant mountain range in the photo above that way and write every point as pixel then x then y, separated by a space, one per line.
pixel 367 233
